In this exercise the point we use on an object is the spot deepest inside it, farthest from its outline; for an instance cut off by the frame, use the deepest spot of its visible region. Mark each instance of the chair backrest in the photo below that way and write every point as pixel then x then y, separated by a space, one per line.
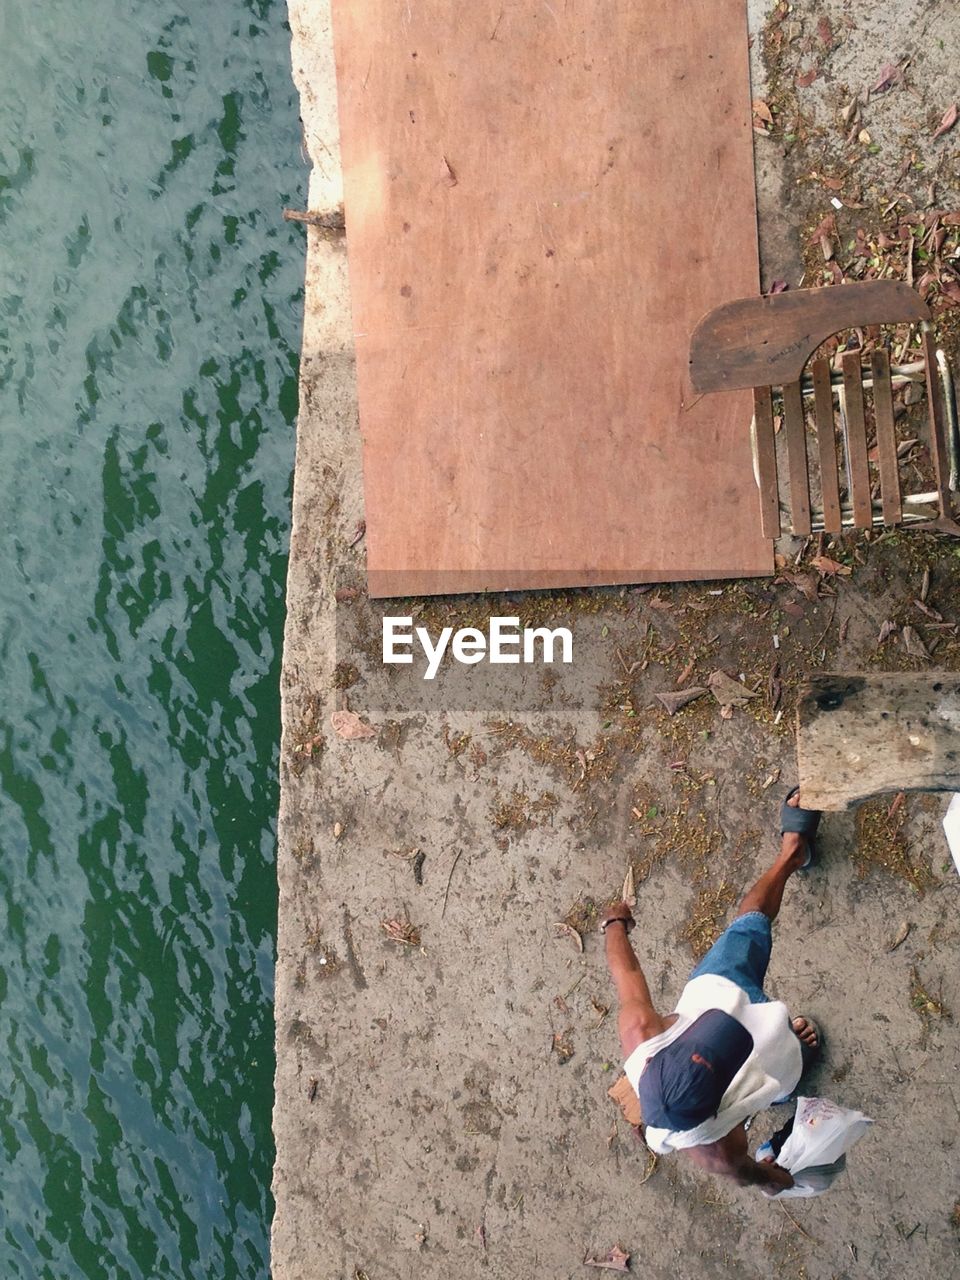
pixel 766 343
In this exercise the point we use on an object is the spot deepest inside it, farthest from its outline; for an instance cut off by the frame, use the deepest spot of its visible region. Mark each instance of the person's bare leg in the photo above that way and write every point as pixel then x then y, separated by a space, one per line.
pixel 767 894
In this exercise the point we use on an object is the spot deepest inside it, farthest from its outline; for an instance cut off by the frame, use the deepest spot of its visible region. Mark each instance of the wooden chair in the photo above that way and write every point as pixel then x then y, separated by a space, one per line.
pixel 766 343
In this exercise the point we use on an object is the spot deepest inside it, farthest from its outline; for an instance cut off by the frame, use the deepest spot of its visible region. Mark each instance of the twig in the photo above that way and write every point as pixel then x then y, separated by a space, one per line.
pixel 823 635
pixel 446 892
pixel 572 989
pixel 803 1231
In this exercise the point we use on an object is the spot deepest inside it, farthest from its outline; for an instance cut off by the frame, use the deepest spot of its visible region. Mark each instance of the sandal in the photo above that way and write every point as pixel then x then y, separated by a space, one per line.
pixel 802 822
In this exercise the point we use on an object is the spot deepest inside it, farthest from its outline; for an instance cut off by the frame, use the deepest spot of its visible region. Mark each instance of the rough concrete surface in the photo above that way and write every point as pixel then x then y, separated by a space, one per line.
pixel 441 1104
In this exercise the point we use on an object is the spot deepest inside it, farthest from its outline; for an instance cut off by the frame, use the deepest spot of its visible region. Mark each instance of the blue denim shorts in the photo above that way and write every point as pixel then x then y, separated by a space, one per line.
pixel 742 953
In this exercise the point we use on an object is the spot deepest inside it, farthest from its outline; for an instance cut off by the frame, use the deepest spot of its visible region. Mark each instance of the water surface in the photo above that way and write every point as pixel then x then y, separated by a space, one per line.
pixel 150 301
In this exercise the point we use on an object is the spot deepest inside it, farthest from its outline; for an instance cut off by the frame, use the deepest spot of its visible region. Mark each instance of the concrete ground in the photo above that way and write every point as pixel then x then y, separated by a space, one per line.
pixel 441 1101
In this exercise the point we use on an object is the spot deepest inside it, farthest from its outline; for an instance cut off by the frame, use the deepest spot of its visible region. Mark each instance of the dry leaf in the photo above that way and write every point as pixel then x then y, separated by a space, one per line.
pixel 358 533
pixel 349 726
pixel 897 804
pixel 674 701
pixel 762 111
pixel 570 931
pixel 901 936
pixel 629 894
pixel 686 673
pixel 886 630
pixel 563 1046
pixel 625 1096
pixel 729 692
pixel 778 286
pixel 948 121
pixel 345 594
pixel 613 1260
pixel 889 75
pixel 805 583
pixel 829 568
pixel 825 31
pixel 806 80
pixel 913 644
pixel 337 830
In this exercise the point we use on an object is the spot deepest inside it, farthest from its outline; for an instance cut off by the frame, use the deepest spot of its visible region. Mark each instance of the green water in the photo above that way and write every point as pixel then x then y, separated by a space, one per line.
pixel 150 302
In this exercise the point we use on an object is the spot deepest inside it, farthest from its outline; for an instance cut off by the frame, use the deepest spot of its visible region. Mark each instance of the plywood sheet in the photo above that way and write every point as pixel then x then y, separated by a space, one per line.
pixel 542 200
pixel 860 736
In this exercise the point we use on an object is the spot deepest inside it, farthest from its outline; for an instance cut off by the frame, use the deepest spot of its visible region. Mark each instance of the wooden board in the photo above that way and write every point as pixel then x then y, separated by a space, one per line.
pixel 541 201
pixel 766 342
pixel 860 736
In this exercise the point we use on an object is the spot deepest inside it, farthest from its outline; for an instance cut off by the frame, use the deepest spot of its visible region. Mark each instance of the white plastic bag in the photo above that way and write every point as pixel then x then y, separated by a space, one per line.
pixel 815 1152
pixel 951 827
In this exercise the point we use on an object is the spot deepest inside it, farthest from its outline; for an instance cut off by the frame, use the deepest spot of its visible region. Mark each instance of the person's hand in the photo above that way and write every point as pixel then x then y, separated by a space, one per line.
pixel 777 1178
pixel 619 911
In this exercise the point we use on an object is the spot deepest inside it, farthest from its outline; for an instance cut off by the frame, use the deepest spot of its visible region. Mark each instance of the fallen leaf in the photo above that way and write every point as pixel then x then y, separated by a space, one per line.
pixel 770 779
pixel 563 1046
pixel 913 644
pixel 563 928
pixel 625 1096
pixel 349 726
pixel 886 630
pixel 948 121
pixel 901 936
pixel 762 111
pixel 897 804
pixel 825 31
pixel 727 691
pixel 889 75
pixel 686 673
pixel 826 248
pixel 778 286
pixel 345 594
pixel 806 584
pixel 613 1260
pixel 931 613
pixel 830 568
pixel 792 609
pixel 673 702
pixel 806 80
pixel 844 627
pixel 337 830
pixel 358 533
pixel 629 894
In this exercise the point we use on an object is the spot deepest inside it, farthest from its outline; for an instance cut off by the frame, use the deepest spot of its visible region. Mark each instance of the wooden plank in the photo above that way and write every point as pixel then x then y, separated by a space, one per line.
pixel 827 446
pixel 795 429
pixel 766 462
pixel 860 736
pixel 522 296
pixel 755 342
pixel 886 437
pixel 855 441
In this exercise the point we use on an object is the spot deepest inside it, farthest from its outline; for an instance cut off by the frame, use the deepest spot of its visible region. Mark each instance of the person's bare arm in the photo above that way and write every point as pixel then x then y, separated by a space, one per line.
pixel 729 1158
pixel 637 1019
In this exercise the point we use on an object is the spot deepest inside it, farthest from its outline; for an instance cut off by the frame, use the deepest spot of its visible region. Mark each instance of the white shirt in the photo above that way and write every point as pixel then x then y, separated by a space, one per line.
pixel 771 1072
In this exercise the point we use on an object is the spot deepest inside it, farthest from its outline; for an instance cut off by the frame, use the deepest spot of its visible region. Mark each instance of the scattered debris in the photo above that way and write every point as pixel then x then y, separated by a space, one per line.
pixel 727 691
pixel 563 1046
pixel 401 931
pixel 613 1260
pixel 890 74
pixel 913 644
pixel 349 726
pixel 337 830
pixel 358 533
pixel 674 702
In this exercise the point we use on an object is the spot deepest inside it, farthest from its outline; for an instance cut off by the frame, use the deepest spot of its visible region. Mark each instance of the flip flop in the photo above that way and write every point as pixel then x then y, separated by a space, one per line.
pixel 802 822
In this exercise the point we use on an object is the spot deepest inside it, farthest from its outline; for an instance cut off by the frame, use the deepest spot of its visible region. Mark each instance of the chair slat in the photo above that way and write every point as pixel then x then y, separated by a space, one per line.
pixel 937 416
pixel 886 438
pixel 827 447
pixel 855 441
pixel 795 428
pixel 766 462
